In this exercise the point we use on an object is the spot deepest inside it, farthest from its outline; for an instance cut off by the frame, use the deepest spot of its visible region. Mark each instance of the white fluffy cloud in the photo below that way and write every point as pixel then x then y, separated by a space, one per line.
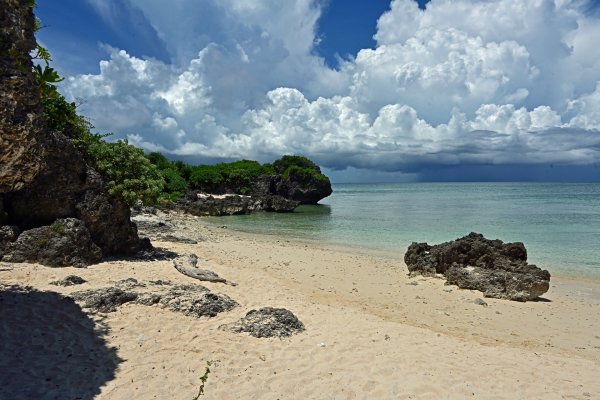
pixel 463 82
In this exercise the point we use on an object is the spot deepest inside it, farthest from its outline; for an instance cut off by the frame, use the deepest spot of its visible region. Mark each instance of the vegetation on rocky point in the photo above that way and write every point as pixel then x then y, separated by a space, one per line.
pixel 152 178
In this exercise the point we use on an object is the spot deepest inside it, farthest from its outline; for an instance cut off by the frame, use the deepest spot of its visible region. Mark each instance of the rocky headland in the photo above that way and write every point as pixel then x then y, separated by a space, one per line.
pixel 293 181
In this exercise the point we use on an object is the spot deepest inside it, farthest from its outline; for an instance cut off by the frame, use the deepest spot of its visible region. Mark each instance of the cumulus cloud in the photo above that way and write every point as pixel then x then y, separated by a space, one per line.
pixel 463 82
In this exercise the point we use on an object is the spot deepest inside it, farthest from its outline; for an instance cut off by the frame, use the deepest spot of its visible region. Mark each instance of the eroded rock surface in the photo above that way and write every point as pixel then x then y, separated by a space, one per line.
pixel 232 204
pixel 191 300
pixel 493 267
pixel 196 301
pixel 104 300
pixel 69 280
pixel 66 242
pixel 22 147
pixel 267 322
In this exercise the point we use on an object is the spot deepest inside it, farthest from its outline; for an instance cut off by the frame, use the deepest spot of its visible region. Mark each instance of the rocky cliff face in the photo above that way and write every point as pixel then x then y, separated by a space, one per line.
pixel 22 140
pixel 43 177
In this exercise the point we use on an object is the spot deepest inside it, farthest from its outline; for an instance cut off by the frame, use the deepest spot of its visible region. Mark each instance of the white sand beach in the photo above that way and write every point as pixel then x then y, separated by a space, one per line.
pixel 371 331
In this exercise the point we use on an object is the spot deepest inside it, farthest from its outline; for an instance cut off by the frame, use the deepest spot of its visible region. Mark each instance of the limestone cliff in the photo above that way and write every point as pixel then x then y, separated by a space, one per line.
pixel 22 137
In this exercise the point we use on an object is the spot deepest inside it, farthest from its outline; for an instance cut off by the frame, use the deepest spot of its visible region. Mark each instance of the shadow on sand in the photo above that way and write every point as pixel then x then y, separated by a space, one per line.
pixel 49 348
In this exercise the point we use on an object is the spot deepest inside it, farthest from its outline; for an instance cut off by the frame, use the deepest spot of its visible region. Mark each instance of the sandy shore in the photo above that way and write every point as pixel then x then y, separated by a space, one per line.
pixel 371 331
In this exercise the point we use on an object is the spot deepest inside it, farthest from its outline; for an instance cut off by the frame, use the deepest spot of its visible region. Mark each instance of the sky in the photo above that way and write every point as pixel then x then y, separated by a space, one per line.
pixel 373 91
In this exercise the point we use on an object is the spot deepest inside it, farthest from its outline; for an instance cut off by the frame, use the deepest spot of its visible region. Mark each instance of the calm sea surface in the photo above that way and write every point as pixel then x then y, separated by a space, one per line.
pixel 558 222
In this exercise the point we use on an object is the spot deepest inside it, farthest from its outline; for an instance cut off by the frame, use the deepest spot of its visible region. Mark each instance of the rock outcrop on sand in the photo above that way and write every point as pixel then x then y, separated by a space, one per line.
pixel 66 242
pixel 233 204
pixel 191 300
pixel 267 322
pixel 43 177
pixel 493 267
pixel 69 280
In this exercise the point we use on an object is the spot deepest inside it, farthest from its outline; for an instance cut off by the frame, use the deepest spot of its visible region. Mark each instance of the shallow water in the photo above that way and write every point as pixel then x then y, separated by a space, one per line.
pixel 558 222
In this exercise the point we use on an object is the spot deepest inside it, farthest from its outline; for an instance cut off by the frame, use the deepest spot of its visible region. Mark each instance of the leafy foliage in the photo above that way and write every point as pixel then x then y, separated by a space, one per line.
pixel 299 169
pixel 171 172
pixel 46 77
pixel 203 380
pixel 237 176
pixel 127 171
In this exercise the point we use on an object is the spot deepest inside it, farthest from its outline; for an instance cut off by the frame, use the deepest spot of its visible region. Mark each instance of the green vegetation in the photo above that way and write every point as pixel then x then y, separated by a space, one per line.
pixel 299 169
pixel 237 176
pixel 203 380
pixel 125 169
pixel 127 172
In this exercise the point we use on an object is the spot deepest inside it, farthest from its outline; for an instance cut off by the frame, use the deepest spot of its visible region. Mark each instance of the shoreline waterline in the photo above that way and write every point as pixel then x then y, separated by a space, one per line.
pixel 558 223
pixel 565 283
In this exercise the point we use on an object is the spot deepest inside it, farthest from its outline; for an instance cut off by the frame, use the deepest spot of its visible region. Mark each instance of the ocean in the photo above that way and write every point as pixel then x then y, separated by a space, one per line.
pixel 559 223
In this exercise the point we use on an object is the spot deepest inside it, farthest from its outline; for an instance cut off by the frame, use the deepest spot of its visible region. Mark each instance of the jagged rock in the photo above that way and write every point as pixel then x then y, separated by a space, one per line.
pixel 233 204
pixel 493 267
pixel 139 208
pixel 267 322
pixel 129 283
pixel 8 234
pixel 148 254
pixel 104 300
pixel 43 177
pixel 303 189
pixel 22 147
pixel 69 280
pixel 151 225
pixel 66 242
pixel 196 301
pixel 191 300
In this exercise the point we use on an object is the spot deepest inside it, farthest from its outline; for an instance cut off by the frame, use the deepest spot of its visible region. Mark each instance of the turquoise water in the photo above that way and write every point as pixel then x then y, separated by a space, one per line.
pixel 558 222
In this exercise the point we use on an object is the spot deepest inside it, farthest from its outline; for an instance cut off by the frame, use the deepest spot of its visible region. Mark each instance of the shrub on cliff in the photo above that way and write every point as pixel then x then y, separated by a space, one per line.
pixel 236 177
pixel 126 171
pixel 299 169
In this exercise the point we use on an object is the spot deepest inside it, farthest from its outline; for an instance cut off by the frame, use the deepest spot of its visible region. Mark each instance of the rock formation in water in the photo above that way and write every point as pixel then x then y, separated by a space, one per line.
pixel 233 204
pixel 306 185
pixel 246 186
pixel 43 177
pixel 493 267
